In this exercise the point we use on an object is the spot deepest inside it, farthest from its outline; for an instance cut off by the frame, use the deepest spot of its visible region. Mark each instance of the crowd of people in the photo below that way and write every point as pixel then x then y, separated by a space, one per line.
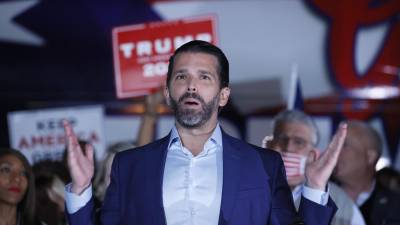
pixel 34 194
pixel 363 196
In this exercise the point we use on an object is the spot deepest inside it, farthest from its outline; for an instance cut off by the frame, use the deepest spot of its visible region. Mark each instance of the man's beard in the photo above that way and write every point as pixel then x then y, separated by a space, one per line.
pixel 191 118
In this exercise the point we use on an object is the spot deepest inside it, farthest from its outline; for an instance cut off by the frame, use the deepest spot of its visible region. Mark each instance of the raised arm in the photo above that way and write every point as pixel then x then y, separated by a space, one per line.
pixel 319 169
pixel 80 163
pixel 149 118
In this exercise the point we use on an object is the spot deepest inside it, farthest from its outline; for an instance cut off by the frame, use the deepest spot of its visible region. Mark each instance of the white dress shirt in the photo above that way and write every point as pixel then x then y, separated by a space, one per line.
pixel 192 185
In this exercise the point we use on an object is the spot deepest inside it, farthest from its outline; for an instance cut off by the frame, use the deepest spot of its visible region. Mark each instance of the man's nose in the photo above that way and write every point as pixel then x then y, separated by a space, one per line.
pixel 191 85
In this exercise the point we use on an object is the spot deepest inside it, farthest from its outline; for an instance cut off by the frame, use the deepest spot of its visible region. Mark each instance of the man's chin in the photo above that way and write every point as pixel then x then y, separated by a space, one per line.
pixel 190 122
pixel 190 110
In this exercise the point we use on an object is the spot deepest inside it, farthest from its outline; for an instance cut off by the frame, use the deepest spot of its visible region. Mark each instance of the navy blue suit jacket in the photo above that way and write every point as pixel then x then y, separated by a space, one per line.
pixel 255 191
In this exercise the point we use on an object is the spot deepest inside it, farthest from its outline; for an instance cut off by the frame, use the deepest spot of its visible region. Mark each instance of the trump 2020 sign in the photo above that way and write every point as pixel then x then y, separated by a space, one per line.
pixel 141 52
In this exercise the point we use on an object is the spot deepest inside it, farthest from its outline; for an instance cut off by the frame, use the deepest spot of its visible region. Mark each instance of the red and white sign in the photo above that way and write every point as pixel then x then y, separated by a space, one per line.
pixel 141 52
pixel 39 135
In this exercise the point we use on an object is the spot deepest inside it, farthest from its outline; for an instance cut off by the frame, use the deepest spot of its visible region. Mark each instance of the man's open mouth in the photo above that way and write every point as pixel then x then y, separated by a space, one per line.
pixel 191 102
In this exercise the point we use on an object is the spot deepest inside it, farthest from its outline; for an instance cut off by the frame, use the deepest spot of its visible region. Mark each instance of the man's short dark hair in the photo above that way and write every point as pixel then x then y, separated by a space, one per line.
pixel 198 46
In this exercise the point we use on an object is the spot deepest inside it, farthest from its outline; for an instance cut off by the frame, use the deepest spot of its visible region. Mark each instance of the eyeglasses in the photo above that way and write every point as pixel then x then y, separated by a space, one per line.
pixel 297 142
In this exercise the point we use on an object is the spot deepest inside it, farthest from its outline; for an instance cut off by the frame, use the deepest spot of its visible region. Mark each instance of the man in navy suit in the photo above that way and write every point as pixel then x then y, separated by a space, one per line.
pixel 198 174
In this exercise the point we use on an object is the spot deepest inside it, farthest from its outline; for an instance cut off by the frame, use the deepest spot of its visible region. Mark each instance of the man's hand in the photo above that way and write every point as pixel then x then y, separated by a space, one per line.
pixel 319 168
pixel 80 164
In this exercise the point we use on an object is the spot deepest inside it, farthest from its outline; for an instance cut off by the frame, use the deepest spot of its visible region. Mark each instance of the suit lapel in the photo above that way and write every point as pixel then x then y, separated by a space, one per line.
pixel 231 177
pixel 155 162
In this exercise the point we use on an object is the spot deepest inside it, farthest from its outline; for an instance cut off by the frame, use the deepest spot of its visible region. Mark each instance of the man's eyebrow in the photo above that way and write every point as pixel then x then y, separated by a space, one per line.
pixel 205 72
pixel 180 71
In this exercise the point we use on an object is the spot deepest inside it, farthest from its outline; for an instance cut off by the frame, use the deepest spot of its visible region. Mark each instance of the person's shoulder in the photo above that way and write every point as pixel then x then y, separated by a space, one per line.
pixel 386 193
pixel 248 148
pixel 341 198
pixel 334 188
pixel 388 201
pixel 257 157
pixel 145 149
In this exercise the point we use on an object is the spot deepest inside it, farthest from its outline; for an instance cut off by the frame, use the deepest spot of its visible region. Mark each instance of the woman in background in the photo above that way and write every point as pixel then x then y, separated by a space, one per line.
pixel 17 189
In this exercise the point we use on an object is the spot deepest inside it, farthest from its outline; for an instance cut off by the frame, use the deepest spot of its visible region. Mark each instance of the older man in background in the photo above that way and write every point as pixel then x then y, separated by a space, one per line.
pixel 295 136
pixel 355 171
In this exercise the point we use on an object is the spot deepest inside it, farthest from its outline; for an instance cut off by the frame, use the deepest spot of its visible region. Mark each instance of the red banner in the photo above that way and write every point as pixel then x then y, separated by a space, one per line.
pixel 141 52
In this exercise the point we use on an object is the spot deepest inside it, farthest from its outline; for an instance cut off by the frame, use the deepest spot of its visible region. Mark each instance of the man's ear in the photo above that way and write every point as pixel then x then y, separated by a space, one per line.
pixel 224 96
pixel 166 95
pixel 372 156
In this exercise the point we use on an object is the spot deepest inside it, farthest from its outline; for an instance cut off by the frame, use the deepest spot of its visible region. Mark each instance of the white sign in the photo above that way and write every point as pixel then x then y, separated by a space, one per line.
pixel 39 134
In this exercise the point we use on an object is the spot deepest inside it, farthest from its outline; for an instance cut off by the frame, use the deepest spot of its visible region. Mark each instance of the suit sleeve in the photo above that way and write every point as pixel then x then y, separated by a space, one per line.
pixel 313 213
pixel 283 211
pixel 110 213
pixel 84 216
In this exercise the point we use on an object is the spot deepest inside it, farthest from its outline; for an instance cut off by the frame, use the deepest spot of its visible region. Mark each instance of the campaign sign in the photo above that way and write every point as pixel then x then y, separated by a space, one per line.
pixel 141 52
pixel 39 134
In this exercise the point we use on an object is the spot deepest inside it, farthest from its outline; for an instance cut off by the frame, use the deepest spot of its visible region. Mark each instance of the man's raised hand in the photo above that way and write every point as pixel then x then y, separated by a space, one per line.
pixel 80 163
pixel 319 168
